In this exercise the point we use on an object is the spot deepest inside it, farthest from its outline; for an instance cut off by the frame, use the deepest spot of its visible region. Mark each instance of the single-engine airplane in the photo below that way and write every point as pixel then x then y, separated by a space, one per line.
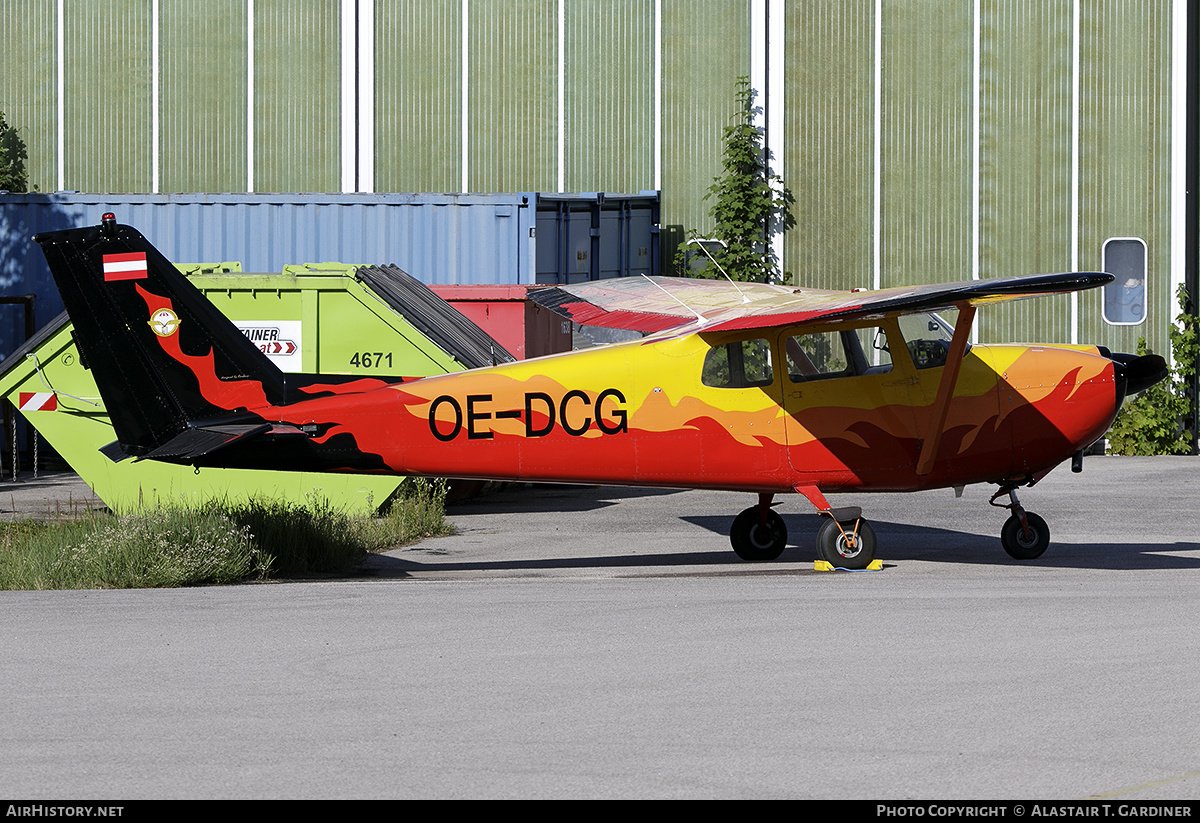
pixel 762 389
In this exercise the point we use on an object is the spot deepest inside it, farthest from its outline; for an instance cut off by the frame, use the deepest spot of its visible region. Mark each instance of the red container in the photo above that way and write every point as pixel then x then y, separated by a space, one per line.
pixel 505 312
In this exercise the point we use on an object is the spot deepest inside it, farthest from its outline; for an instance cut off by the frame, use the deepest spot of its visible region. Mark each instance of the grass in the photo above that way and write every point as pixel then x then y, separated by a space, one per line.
pixel 221 544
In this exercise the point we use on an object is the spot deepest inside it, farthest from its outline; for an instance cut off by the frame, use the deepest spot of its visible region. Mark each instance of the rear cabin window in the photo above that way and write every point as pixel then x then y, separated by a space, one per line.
pixel 739 365
pixel 830 354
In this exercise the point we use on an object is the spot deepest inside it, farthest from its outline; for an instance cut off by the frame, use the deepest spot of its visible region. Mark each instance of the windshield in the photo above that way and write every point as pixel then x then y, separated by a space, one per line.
pixel 928 339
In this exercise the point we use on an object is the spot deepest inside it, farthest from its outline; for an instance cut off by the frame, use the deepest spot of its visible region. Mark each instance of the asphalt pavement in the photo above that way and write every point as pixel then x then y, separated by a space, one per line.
pixel 598 642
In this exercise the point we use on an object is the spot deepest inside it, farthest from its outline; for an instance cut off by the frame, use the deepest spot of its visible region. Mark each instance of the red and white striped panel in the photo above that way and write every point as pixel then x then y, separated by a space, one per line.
pixel 38 401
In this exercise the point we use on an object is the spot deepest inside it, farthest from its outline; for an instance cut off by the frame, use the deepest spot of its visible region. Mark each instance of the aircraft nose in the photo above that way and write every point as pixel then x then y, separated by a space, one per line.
pixel 1134 372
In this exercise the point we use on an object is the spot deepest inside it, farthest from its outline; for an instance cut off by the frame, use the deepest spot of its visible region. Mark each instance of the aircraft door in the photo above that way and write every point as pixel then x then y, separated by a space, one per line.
pixel 850 417
pixel 975 438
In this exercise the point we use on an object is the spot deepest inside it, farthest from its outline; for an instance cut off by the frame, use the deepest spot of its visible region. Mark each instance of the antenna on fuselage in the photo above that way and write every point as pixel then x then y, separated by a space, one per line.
pixel 699 242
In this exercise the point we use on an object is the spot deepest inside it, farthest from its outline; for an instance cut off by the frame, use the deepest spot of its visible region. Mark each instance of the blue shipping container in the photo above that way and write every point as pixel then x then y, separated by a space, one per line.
pixel 451 239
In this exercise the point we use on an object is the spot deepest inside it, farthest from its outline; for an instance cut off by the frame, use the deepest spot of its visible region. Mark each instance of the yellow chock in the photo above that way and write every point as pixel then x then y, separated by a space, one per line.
pixel 825 566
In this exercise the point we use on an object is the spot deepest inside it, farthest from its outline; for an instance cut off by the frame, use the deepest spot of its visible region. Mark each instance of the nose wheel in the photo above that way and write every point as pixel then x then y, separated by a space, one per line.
pixel 1025 536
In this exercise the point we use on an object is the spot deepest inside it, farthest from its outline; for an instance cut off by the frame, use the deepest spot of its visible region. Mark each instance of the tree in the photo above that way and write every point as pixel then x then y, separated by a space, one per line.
pixel 13 176
pixel 750 203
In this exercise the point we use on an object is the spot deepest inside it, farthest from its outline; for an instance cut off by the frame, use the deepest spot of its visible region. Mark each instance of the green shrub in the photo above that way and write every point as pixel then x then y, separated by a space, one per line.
pixel 1155 421
pixel 13 155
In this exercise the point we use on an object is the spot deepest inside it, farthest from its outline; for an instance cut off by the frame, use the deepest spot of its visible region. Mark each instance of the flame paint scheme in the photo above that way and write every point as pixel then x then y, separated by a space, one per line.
pixel 753 388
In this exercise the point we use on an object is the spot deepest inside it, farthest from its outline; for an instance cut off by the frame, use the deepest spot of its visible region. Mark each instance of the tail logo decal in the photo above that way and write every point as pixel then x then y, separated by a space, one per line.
pixel 125 266
pixel 164 322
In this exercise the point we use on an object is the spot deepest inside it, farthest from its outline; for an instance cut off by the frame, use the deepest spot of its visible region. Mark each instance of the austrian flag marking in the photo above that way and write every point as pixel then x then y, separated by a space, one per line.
pixel 37 401
pixel 125 266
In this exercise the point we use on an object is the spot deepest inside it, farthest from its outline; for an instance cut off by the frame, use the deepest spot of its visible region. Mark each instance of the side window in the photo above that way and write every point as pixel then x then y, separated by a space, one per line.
pixel 1125 297
pixel 738 365
pixel 827 354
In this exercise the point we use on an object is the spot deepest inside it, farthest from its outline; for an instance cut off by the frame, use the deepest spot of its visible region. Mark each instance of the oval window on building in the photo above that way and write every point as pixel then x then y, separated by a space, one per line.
pixel 1125 297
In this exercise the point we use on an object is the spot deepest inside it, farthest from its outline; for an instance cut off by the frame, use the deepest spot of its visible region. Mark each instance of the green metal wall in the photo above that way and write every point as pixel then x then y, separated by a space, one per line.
pixel 1024 139
pixel 203 96
pixel 966 185
pixel 512 77
pixel 1125 134
pixel 926 155
pixel 107 93
pixel 297 95
pixel 28 83
pixel 609 95
pixel 705 49
pixel 829 145
pixel 418 96
pixel 1025 185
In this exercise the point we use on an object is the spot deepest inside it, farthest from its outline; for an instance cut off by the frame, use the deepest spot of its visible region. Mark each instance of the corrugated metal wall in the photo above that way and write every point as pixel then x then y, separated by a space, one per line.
pixel 1018 134
pixel 972 150
pixel 925 156
pixel 512 77
pixel 829 151
pixel 107 96
pixel 418 96
pixel 203 96
pixel 609 117
pixel 1125 163
pixel 28 83
pixel 705 49
pixel 1025 157
pixel 297 95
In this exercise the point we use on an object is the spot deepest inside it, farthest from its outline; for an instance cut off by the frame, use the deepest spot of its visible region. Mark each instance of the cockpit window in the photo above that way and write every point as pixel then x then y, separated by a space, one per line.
pixel 738 365
pixel 928 339
pixel 829 354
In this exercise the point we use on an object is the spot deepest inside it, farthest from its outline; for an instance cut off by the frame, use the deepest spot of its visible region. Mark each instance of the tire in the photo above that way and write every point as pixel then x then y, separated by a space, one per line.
pixel 1020 546
pixel 832 547
pixel 755 541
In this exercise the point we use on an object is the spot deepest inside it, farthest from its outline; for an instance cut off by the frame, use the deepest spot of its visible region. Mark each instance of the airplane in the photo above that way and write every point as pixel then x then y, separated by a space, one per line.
pixel 753 388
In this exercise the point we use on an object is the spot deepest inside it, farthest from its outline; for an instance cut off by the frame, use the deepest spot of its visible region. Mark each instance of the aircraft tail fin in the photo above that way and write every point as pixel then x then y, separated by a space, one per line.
pixel 163 356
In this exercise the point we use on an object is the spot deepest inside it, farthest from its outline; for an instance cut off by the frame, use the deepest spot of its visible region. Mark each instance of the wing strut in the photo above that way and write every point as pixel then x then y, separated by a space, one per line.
pixel 941 406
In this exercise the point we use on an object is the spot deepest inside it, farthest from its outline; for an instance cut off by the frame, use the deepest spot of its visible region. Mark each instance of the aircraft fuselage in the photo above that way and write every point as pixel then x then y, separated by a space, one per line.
pixel 651 412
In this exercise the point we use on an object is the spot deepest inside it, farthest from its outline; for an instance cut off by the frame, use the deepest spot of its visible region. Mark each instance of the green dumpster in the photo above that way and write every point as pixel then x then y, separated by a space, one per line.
pixel 311 319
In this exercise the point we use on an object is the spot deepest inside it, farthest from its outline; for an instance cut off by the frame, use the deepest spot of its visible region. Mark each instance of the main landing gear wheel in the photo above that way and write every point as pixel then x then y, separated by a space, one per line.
pixel 1022 544
pixel 756 538
pixel 849 545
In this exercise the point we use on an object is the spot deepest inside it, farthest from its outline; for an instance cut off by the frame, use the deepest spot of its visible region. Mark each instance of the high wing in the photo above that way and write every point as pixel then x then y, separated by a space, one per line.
pixel 651 304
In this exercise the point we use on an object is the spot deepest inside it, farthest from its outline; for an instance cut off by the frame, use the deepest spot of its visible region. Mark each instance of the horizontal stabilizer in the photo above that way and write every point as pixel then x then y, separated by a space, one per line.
pixel 201 440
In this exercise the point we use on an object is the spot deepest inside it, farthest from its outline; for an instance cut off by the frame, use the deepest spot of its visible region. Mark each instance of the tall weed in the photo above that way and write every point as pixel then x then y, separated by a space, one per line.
pixel 221 544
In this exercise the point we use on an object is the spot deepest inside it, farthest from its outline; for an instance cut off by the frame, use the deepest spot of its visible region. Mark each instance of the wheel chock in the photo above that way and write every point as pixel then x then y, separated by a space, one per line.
pixel 825 566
